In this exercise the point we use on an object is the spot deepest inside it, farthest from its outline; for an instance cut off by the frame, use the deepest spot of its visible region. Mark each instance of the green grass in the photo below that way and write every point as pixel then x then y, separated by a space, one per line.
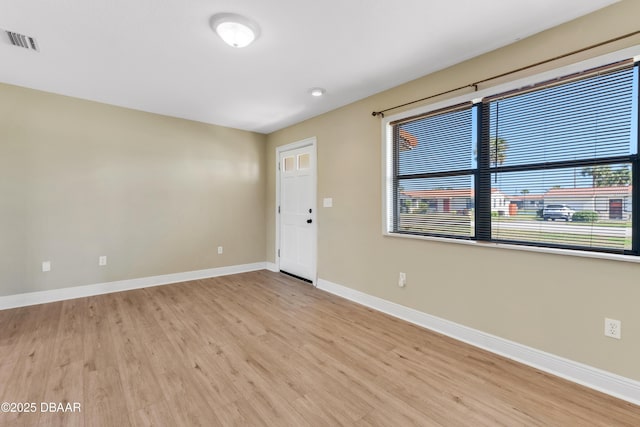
pixel 461 225
pixel 436 223
pixel 563 239
pixel 602 223
pixel 611 223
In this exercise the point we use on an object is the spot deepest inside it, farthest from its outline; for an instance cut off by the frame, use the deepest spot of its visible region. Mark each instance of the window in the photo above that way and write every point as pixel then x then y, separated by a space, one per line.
pixel 289 164
pixel 434 184
pixel 549 165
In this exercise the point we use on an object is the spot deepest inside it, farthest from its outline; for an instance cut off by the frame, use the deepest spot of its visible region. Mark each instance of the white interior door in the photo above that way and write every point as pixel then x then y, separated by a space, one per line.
pixel 298 227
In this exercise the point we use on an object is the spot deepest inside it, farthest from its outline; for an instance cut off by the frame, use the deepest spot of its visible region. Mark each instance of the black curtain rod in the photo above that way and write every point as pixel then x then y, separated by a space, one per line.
pixel 475 85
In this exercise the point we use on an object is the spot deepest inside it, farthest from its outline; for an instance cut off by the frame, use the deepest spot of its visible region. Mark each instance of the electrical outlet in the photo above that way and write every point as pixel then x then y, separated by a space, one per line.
pixel 612 328
pixel 220 250
pixel 402 280
pixel 46 266
pixel 102 260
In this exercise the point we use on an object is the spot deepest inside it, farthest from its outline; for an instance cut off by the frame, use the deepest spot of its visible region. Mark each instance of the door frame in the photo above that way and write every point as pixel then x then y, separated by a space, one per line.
pixel 308 142
pixel 619 205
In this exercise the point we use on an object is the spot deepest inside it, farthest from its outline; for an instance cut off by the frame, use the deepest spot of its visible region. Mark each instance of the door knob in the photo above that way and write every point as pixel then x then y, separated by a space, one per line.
pixel 309 221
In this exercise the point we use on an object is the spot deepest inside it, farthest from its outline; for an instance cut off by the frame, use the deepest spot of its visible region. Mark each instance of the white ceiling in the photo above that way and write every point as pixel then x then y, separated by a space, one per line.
pixel 161 55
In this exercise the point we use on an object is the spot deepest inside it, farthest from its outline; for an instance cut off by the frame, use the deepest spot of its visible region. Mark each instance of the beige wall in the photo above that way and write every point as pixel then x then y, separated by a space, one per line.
pixel 157 195
pixel 551 302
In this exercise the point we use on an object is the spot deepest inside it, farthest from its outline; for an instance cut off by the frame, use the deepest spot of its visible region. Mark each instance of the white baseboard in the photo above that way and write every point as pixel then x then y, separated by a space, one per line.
pixel 272 266
pixel 597 379
pixel 41 297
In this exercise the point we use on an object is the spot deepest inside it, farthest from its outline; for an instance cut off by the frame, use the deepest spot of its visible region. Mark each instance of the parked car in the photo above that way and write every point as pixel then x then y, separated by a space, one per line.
pixel 553 212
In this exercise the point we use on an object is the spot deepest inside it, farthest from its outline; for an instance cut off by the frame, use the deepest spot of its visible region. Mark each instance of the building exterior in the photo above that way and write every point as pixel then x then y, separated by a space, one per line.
pixel 527 201
pixel 458 201
pixel 608 202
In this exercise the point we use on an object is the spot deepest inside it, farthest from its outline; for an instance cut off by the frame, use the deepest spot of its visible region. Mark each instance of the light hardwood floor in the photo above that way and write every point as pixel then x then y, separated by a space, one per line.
pixel 265 349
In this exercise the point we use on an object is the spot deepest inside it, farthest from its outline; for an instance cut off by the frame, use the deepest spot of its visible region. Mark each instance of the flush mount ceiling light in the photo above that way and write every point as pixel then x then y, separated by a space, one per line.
pixel 317 91
pixel 234 29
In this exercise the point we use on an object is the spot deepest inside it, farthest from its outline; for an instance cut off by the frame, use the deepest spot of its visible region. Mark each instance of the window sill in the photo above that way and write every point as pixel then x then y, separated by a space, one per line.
pixel 554 251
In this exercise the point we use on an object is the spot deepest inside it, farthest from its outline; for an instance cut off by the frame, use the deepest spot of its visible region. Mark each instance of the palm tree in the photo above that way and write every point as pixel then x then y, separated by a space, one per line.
pixel 498 151
pixel 524 197
pixel 621 176
pixel 598 174
pixel 604 176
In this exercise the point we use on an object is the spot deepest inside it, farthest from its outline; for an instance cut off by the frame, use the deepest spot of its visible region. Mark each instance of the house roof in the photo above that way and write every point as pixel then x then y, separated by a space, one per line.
pixel 554 192
pixel 588 191
pixel 527 197
pixel 445 194
pixel 407 140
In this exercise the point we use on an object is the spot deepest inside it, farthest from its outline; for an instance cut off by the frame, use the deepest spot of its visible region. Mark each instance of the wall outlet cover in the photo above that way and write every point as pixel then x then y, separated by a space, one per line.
pixel 612 328
pixel 402 280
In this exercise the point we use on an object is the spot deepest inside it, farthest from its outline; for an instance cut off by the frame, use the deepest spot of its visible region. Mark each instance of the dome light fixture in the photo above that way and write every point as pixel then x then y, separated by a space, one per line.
pixel 317 91
pixel 235 30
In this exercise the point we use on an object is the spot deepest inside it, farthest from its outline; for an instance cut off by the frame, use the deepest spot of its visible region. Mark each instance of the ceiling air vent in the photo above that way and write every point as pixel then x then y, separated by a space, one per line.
pixel 21 40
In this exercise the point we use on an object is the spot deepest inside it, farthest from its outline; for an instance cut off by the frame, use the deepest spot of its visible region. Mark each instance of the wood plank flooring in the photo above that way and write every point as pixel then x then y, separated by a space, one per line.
pixel 260 349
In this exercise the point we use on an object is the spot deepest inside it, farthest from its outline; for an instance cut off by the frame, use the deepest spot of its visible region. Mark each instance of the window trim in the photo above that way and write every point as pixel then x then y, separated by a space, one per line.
pixel 525 248
pixel 388 157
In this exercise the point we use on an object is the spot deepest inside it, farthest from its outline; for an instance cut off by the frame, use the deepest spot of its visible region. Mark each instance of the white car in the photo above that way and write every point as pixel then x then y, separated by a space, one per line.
pixel 553 212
